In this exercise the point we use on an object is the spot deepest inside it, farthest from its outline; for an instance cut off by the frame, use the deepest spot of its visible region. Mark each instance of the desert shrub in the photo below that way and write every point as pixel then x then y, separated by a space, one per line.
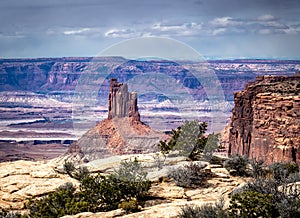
pixel 292 168
pixel 238 166
pixel 272 193
pixel 166 147
pixel 191 175
pixel 211 145
pixel 81 173
pixel 190 211
pixel 129 206
pixel 96 192
pixel 126 183
pixel 61 202
pixel 101 193
pixel 278 171
pixel 132 174
pixel 258 169
pixel 281 171
pixel 286 195
pixel 188 139
pixel 250 204
pixel 69 168
pixel 205 211
pixel 10 214
pixel 76 173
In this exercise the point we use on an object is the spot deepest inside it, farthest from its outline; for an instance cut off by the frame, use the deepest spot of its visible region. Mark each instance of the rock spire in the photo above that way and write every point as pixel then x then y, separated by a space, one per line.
pixel 122 103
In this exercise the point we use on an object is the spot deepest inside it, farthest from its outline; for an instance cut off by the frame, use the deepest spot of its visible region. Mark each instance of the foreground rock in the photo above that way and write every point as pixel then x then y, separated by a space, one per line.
pixel 21 180
pixel 266 120
pixel 24 179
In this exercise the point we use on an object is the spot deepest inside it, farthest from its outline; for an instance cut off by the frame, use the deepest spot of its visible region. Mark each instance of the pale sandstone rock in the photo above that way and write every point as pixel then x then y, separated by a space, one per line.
pixel 21 180
pixel 170 198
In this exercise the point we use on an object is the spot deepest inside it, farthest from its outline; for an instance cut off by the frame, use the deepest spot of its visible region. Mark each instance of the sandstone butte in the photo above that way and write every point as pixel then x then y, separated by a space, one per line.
pixel 265 121
pixel 122 132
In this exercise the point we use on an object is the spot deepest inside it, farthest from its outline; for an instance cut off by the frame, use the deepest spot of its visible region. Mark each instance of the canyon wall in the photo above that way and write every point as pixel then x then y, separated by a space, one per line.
pixel 265 122
pixel 62 74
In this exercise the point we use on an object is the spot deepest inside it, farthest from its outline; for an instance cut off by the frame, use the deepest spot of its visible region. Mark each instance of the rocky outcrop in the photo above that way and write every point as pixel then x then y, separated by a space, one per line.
pixel 265 120
pixel 122 132
pixel 117 136
pixel 122 103
pixel 21 180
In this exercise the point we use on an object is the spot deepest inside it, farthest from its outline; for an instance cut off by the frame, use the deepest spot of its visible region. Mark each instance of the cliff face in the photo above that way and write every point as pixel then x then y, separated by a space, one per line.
pixel 265 121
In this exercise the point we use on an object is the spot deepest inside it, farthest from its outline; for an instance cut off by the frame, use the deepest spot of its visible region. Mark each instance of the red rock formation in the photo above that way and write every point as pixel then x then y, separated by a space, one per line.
pixel 122 132
pixel 265 121
pixel 122 103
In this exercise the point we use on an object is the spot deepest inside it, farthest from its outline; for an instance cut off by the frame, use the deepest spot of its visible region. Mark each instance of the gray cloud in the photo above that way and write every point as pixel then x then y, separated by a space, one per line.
pixel 72 27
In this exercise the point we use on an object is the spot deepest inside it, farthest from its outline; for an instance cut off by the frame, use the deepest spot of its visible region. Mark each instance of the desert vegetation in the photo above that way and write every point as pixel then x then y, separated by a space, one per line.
pixel 124 188
pixel 272 192
pixel 189 140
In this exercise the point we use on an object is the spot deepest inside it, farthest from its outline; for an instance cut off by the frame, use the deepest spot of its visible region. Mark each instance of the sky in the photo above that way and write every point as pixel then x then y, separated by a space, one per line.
pixel 217 29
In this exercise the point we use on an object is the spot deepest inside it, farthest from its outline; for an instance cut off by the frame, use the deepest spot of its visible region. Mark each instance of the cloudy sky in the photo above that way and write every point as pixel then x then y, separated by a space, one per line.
pixel 215 28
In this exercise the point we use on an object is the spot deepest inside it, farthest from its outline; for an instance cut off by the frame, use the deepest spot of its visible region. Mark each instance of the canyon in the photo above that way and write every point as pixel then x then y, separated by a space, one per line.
pixel 37 98
pixel 57 100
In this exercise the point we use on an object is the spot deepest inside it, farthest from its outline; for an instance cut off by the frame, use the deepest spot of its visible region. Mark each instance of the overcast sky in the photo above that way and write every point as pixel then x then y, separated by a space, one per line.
pixel 215 28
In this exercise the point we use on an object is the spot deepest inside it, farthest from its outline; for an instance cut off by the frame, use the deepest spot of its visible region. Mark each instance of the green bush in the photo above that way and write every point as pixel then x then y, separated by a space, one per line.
pixel 190 176
pixel 59 203
pixel 69 168
pixel 188 139
pixel 281 171
pixel 129 206
pixel 133 180
pixel 258 168
pixel 79 173
pixel 96 192
pixel 286 195
pixel 205 211
pixel 238 166
pixel 250 204
pixel 10 214
pixel 292 168
pixel 166 147
pixel 211 145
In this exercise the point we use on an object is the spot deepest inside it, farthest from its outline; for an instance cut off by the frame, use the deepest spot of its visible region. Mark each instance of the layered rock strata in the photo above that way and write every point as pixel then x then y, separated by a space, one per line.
pixel 122 132
pixel 265 122
pixel 122 103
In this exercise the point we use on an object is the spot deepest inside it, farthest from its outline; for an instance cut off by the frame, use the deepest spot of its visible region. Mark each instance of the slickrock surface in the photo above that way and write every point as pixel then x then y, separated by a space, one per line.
pixel 171 198
pixel 265 122
pixel 21 180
